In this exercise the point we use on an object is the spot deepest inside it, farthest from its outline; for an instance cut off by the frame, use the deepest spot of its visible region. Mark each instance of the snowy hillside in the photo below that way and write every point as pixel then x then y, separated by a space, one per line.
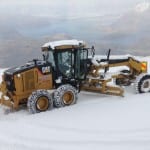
pixel 96 122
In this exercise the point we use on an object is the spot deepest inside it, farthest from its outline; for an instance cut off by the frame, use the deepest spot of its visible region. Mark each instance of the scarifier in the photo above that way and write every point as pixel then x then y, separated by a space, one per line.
pixel 65 70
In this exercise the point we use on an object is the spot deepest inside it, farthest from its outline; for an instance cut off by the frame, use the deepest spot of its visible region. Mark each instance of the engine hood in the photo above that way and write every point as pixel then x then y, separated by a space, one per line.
pixel 27 66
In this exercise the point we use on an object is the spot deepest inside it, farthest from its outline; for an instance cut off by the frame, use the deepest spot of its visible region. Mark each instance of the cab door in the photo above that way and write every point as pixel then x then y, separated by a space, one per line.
pixel 65 63
pixel 81 64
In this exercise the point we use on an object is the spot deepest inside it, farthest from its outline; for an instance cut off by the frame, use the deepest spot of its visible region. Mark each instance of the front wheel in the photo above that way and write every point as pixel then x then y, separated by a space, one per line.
pixel 39 101
pixel 142 84
pixel 65 95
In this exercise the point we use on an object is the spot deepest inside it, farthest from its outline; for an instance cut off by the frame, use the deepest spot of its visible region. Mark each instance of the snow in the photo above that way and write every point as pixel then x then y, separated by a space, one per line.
pixel 62 42
pixel 139 58
pixel 96 122
pixel 142 7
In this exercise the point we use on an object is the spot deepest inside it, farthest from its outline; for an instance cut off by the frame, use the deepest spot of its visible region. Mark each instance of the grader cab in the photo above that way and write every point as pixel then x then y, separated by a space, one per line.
pixel 65 70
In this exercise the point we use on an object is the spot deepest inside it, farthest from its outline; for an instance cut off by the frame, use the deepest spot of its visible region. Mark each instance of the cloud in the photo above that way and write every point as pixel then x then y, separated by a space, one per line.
pixel 65 7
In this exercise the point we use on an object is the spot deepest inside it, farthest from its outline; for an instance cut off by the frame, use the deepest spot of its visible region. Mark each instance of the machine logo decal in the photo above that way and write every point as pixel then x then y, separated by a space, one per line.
pixel 46 69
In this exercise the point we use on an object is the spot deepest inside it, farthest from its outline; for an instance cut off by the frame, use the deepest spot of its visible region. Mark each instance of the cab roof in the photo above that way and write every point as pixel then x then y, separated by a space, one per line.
pixel 63 44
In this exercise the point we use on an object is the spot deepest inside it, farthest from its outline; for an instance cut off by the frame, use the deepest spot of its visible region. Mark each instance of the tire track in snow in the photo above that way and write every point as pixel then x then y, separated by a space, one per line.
pixel 45 142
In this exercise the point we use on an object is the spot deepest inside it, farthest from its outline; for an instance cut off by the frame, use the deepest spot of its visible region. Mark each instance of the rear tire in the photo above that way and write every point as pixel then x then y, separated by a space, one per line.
pixel 65 95
pixel 39 101
pixel 142 84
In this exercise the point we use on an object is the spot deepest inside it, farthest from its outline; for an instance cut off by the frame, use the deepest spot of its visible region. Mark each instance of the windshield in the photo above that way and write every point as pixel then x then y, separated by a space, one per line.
pixel 65 61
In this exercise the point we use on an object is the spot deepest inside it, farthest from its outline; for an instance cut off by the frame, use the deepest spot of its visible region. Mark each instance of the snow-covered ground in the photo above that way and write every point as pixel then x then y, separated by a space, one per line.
pixel 96 122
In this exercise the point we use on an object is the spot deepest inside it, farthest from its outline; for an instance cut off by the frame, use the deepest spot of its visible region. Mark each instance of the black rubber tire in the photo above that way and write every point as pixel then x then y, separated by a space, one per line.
pixel 145 79
pixel 59 93
pixel 32 103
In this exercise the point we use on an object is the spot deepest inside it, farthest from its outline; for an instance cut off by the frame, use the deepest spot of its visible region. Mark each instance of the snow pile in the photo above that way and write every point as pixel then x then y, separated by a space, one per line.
pixel 96 122
pixel 142 7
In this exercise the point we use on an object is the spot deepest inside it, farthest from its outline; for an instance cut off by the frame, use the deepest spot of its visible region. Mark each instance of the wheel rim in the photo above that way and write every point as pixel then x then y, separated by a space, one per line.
pixel 42 103
pixel 146 86
pixel 68 98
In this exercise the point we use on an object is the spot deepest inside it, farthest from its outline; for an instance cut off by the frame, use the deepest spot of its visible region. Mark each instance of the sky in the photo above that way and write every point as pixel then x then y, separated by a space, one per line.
pixel 66 8
pixel 109 30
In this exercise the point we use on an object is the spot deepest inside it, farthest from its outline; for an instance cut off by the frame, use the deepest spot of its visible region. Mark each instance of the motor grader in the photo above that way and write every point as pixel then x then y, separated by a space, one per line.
pixel 65 70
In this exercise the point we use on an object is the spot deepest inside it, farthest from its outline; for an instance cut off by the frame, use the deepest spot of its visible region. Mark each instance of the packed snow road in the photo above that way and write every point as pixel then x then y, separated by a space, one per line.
pixel 96 122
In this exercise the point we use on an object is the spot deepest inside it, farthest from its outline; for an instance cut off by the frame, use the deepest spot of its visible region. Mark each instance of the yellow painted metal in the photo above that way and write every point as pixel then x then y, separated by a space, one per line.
pixel 134 65
pixel 68 97
pixel 42 103
pixel 25 83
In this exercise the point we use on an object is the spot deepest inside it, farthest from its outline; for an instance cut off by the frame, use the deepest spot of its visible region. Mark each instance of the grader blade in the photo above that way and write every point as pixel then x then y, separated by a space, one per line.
pixel 110 90
pixel 101 86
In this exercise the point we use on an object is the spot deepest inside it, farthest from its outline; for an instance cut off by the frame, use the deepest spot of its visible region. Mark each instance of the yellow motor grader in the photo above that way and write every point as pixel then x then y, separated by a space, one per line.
pixel 65 70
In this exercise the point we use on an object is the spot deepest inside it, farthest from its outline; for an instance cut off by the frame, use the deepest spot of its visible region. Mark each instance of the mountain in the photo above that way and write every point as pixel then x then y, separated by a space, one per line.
pixel 131 31
pixel 123 33
pixel 17 51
